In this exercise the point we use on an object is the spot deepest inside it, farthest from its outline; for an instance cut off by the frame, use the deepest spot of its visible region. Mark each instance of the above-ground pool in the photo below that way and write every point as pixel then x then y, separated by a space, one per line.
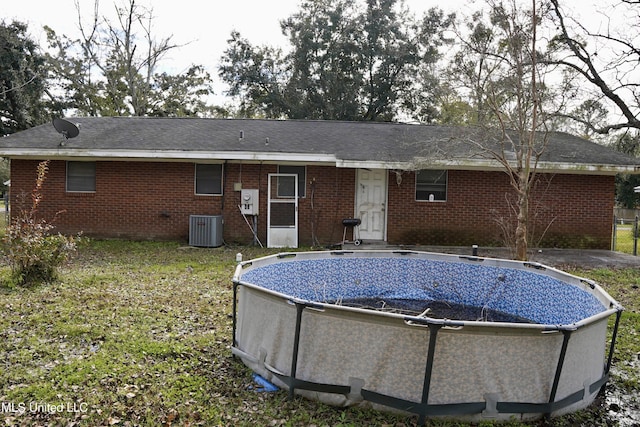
pixel 431 334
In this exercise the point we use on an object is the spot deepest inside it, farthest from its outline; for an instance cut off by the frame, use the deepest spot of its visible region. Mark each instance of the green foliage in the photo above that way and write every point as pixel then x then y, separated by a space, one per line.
pixel 626 196
pixel 456 111
pixel 628 143
pixel 472 67
pixel 182 95
pixel 5 172
pixel 589 114
pixel 33 252
pixel 108 72
pixel 350 60
pixel 22 81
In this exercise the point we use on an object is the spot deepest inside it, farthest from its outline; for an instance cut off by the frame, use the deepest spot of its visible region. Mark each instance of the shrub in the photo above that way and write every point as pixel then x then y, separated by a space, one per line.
pixel 34 253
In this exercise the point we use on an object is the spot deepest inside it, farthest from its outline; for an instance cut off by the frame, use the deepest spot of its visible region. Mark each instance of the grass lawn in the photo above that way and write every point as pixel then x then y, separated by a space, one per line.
pixel 624 239
pixel 139 333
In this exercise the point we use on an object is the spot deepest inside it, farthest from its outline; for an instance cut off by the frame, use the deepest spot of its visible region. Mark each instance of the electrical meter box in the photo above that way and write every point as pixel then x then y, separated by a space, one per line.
pixel 249 202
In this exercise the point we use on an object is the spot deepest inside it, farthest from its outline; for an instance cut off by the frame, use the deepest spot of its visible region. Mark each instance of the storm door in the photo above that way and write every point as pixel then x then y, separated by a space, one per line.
pixel 282 211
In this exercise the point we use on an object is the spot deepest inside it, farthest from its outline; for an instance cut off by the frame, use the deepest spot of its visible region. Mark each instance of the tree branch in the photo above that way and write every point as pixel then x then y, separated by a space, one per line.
pixel 589 71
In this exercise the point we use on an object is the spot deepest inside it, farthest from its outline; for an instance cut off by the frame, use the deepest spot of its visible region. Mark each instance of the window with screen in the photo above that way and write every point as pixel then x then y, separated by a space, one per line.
pixel 81 177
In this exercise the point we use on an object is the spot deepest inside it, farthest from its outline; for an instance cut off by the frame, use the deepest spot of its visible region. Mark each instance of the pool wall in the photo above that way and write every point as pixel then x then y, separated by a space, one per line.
pixel 431 367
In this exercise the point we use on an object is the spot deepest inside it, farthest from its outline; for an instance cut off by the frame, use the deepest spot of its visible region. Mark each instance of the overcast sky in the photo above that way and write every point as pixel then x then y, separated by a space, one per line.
pixel 202 26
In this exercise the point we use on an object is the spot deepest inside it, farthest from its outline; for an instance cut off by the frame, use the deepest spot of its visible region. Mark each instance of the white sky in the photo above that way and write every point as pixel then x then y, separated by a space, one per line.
pixel 202 25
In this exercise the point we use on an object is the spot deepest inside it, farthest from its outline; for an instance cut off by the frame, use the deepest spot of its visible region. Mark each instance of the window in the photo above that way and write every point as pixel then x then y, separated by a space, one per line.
pixel 286 187
pixel 81 177
pixel 209 179
pixel 431 185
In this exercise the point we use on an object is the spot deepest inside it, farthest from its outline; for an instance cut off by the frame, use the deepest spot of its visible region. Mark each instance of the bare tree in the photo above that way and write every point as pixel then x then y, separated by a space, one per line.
pixel 123 59
pixel 507 86
pixel 112 68
pixel 614 76
pixel 474 65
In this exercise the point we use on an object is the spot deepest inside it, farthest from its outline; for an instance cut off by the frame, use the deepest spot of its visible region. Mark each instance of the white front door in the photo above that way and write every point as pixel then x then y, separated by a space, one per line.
pixel 371 199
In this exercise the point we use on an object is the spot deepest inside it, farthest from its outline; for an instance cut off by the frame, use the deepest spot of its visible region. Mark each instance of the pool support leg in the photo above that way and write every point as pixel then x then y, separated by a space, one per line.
pixel 556 379
pixel 614 335
pixel 431 351
pixel 234 343
pixel 296 347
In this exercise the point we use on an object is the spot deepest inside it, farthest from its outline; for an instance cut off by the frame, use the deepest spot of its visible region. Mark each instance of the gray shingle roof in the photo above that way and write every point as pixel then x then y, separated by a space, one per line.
pixel 349 144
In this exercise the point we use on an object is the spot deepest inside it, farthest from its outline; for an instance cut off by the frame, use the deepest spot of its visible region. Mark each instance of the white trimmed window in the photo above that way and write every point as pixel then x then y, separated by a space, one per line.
pixel 81 177
pixel 208 179
pixel 431 185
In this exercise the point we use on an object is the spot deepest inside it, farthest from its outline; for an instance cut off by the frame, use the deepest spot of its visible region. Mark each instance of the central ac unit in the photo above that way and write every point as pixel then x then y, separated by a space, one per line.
pixel 205 230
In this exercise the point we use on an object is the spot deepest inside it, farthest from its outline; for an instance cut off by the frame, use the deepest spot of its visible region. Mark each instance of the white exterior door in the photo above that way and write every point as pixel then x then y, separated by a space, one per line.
pixel 282 211
pixel 371 199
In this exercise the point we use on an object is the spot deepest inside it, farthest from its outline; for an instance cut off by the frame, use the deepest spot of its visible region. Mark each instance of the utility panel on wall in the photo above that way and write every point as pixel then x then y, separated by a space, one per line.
pixel 249 202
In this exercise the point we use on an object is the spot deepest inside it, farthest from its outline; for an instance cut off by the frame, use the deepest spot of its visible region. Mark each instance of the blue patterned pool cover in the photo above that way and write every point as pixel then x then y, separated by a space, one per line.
pixel 537 297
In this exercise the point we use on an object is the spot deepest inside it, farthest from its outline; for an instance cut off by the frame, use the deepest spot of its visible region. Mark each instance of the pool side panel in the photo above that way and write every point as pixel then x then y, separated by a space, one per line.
pixel 389 356
pixel 514 367
pixel 265 331
pixel 584 364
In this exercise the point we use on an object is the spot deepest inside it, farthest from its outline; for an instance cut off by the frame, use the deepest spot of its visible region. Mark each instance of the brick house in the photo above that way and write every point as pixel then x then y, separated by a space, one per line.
pixel 144 178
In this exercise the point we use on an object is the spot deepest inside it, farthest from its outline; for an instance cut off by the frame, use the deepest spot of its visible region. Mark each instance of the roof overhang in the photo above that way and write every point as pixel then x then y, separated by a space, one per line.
pixel 168 155
pixel 67 153
pixel 492 165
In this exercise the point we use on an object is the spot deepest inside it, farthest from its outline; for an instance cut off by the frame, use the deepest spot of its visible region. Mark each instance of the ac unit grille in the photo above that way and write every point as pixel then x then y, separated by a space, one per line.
pixel 205 230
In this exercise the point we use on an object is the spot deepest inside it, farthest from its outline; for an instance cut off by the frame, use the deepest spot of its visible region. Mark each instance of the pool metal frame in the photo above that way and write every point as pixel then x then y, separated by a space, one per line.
pixel 488 408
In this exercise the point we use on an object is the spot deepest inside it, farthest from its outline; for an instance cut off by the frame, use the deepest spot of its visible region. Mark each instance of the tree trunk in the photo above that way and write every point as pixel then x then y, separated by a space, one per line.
pixel 522 244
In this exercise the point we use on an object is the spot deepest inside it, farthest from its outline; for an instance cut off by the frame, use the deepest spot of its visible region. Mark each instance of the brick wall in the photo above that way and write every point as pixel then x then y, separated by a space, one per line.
pixel 154 200
pixel 329 198
pixel 132 199
pixel 566 210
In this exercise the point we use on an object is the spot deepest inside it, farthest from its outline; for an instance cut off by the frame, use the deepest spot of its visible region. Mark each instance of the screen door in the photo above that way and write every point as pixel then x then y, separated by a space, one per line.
pixel 282 211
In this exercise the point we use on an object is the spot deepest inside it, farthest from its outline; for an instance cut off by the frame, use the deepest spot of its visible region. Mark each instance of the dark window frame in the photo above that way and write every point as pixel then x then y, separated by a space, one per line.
pixel 432 182
pixel 80 177
pixel 208 185
pixel 302 180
